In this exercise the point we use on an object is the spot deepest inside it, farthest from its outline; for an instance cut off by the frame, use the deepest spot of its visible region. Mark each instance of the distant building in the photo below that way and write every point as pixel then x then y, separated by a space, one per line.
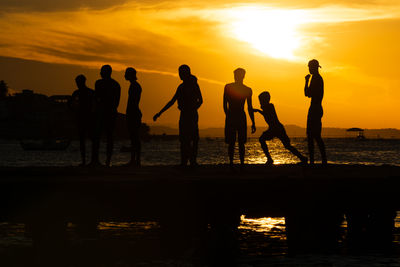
pixel 28 115
pixel 31 115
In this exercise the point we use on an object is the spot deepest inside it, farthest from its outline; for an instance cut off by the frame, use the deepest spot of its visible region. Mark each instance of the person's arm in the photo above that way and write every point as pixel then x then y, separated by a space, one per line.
pixel 251 113
pixel 167 106
pixel 257 110
pixel 307 91
pixel 225 102
pixel 199 96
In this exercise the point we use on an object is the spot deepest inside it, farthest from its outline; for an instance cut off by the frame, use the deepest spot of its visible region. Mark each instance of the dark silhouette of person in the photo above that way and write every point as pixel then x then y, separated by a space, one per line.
pixel 134 115
pixel 275 129
pixel 314 89
pixel 107 94
pixel 82 103
pixel 189 100
pixel 235 95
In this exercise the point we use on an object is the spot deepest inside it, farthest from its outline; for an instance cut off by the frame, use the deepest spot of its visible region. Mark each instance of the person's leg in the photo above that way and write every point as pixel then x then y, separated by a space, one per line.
pixel 137 147
pixel 310 137
pixel 241 152
pixel 310 142
pixel 195 146
pixel 185 152
pixel 263 141
pixel 131 130
pixel 133 149
pixel 231 150
pixel 318 138
pixel 195 139
pixel 230 138
pixel 96 136
pixel 321 146
pixel 242 137
pixel 286 143
pixel 184 138
pixel 110 124
pixel 82 142
pixel 82 130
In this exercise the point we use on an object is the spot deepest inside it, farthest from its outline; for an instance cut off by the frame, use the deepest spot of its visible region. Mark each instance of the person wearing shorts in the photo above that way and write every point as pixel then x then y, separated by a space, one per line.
pixel 189 98
pixel 275 130
pixel 314 89
pixel 134 116
pixel 235 96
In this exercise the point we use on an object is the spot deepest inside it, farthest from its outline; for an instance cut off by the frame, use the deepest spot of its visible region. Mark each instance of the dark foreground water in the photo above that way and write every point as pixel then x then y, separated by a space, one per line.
pixel 262 241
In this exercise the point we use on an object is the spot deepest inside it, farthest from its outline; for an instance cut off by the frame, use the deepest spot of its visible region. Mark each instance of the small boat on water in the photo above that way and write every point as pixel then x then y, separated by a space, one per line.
pixel 46 144
pixel 360 135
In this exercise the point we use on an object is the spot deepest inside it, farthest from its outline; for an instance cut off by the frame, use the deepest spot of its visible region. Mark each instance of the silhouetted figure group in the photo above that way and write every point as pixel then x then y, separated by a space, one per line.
pixel 97 112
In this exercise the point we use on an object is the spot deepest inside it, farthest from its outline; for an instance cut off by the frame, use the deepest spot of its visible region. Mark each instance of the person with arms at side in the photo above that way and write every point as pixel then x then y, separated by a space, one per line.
pixel 314 89
pixel 134 115
pixel 235 96
pixel 82 102
pixel 189 100
pixel 107 95
pixel 275 129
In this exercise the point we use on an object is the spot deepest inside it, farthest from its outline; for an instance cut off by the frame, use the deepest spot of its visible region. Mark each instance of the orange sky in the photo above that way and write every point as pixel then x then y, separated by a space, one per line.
pixel 44 44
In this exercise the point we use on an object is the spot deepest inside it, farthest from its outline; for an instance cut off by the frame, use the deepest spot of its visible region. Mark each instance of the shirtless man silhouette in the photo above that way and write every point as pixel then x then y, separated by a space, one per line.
pixel 235 96
pixel 134 115
pixel 314 89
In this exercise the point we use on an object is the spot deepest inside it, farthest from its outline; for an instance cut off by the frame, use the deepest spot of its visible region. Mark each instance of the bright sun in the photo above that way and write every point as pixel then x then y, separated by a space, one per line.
pixel 271 31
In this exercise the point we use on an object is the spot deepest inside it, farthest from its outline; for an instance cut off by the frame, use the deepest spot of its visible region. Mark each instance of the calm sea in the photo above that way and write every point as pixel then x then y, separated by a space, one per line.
pixel 211 151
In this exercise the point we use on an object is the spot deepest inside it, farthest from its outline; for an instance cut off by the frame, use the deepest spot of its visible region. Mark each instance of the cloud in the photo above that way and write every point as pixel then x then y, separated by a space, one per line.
pixel 56 5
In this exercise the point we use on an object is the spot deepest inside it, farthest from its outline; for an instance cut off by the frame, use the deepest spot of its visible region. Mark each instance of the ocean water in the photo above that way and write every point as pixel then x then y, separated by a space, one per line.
pixel 211 151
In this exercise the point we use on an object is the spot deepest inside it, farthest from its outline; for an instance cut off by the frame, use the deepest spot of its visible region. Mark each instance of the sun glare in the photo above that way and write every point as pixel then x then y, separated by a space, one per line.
pixel 271 31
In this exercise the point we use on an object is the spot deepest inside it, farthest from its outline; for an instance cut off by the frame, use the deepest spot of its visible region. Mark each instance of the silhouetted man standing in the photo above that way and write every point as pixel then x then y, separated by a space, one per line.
pixel 235 95
pixel 107 95
pixel 315 90
pixel 189 100
pixel 134 115
pixel 83 104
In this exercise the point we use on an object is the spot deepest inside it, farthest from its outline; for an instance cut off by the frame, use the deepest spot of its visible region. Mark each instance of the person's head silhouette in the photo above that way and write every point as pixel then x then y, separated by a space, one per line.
pixel 239 75
pixel 105 72
pixel 130 74
pixel 313 66
pixel 80 81
pixel 264 98
pixel 184 72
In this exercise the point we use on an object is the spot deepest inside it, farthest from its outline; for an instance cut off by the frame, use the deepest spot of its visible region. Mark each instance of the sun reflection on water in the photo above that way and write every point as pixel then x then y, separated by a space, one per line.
pixel 274 226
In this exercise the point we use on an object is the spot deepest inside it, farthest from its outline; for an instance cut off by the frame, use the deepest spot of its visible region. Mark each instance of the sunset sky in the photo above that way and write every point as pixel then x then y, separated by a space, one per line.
pixel 44 44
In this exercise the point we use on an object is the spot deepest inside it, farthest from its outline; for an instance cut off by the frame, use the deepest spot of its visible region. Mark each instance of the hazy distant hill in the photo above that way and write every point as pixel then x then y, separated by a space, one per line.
pixel 292 131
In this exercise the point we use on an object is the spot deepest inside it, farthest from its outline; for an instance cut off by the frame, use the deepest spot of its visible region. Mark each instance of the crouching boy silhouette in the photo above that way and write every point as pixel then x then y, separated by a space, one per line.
pixel 276 129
